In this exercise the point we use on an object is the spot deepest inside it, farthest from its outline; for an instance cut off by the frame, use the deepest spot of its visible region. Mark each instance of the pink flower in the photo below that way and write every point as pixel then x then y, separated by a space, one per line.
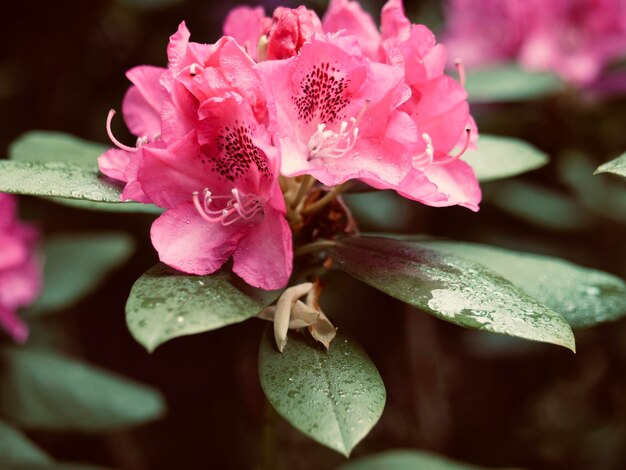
pixel 213 165
pixel 575 39
pixel 390 121
pixel 284 33
pixel 222 197
pixel 20 272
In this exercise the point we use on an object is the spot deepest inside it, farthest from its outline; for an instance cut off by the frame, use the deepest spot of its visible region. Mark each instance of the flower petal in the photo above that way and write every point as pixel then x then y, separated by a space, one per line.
pixel 143 101
pixel 185 241
pixel 346 15
pixel 264 256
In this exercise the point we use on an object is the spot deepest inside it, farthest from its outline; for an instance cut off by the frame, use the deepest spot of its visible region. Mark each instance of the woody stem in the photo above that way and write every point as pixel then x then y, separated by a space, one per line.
pixel 328 197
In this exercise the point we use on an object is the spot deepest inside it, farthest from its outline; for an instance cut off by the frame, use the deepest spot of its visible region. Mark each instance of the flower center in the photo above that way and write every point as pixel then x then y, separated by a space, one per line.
pixel 227 209
pixel 325 143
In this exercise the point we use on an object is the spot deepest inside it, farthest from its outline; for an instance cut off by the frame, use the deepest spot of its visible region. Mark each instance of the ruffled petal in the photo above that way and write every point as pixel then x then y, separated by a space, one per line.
pixel 264 256
pixel 245 24
pixel 143 101
pixel 113 163
pixel 185 241
pixel 346 15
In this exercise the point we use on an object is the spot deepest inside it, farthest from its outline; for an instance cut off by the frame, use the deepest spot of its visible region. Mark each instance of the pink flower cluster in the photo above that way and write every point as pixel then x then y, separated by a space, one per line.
pixel 286 96
pixel 20 274
pixel 572 38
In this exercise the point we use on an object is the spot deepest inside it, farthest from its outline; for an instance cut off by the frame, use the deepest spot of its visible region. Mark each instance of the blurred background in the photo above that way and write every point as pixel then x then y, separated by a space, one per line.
pixel 475 397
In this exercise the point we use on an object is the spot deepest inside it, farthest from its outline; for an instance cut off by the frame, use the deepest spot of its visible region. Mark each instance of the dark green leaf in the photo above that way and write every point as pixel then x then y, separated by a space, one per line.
pixel 502 157
pixel 333 396
pixel 583 296
pixel 76 264
pixel 451 288
pixel 509 83
pixel 405 460
pixel 16 448
pixel 539 206
pixel 617 166
pixel 132 207
pixel 50 147
pixel 165 304
pixel 56 179
pixel 41 389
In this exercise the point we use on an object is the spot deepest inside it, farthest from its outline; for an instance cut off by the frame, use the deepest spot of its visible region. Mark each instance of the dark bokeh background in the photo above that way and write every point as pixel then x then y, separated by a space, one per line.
pixel 472 396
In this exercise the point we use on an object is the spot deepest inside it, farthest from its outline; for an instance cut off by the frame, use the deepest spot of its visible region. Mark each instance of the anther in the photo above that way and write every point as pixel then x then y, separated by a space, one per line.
pixel 112 137
pixel 452 158
pixel 460 68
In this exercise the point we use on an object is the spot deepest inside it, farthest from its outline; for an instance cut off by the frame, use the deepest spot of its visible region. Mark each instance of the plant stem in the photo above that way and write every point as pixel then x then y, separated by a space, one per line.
pixel 313 247
pixel 328 197
pixel 305 184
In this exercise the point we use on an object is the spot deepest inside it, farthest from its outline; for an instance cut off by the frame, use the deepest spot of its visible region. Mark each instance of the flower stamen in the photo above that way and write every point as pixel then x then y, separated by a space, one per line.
pixel 116 142
pixel 452 158
pixel 238 207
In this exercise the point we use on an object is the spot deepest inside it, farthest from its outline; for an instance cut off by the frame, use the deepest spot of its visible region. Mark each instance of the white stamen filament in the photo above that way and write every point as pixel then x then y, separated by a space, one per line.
pixel 452 158
pixel 112 137
pixel 460 68
pixel 325 143
pixel 426 157
pixel 238 207
pixel 193 69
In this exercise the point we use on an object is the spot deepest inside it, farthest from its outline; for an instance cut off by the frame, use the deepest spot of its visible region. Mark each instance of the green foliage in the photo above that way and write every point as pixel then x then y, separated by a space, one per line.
pixel 41 389
pixel 405 460
pixel 498 157
pixel 509 83
pixel 616 167
pixel 333 396
pixel 539 206
pixel 165 304
pixel 16 448
pixel 50 147
pixel 56 179
pixel 583 296
pixel 75 265
pixel 53 159
pixel 451 288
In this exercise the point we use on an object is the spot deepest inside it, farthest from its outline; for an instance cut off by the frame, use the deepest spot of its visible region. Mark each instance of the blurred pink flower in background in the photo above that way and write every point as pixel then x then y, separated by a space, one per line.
pixel 20 270
pixel 574 39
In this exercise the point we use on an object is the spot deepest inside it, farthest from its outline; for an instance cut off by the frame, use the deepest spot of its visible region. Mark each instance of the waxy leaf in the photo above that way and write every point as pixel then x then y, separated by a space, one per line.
pixel 56 179
pixel 406 460
pixel 165 304
pixel 76 264
pixel 538 205
pixel 16 448
pixel 57 147
pixel 451 288
pixel 41 389
pixel 333 396
pixel 583 296
pixel 509 83
pixel 50 147
pixel 617 166
pixel 502 157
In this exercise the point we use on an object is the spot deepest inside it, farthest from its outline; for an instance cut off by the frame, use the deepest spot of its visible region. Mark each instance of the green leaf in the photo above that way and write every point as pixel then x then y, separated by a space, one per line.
pixel 120 206
pixel 56 179
pixel 617 166
pixel 509 83
pixel 165 304
pixel 583 296
pixel 451 288
pixel 76 264
pixel 57 147
pixel 539 206
pixel 502 157
pixel 16 448
pixel 333 396
pixel 405 460
pixel 50 147
pixel 41 389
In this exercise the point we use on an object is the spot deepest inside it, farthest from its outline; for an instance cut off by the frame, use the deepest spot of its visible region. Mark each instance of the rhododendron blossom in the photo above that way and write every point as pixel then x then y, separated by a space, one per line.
pixel 20 272
pixel 572 38
pixel 436 104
